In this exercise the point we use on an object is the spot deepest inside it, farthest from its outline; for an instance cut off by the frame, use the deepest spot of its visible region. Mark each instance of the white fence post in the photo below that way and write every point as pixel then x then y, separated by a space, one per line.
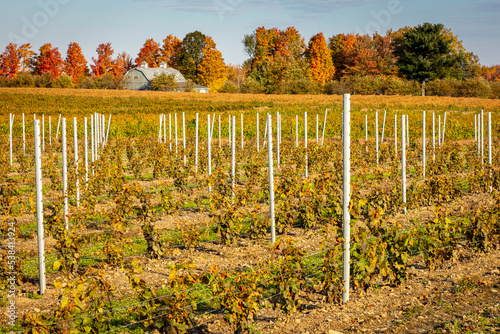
pixel 92 144
pixel 209 153
pixel 159 131
pixel 196 147
pixel 403 159
pixel 271 177
pixel 233 156
pixel 383 128
pixel 346 228
pixel 43 132
pixel 24 136
pixel 39 208
pixel 107 131
pixel 77 183
pixel 278 130
pixel 482 137
pixel 86 152
pixel 423 143
pixel 184 136
pixel 433 137
pixel 58 126
pixel 170 131
pixel 50 130
pixel 65 174
pixel 489 139
pixel 175 131
pixel 11 124
pixel 366 133
pixel 305 142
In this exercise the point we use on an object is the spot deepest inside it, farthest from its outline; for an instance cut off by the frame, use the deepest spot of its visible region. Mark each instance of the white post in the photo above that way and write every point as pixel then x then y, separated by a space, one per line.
pixel 96 134
pixel 103 133
pixel 65 173
pixel 489 138
pixel 346 217
pixel 24 136
pixel 86 152
pixel 296 130
pixel 175 128
pixel 376 135
pixel 482 137
pixel 475 128
pixel 43 132
pixel 258 144
pixel 159 131
pixel 50 130
pixel 39 209
pixel 423 143
pixel 184 136
pixel 242 131
pixel 324 127
pixel 403 159
pixel 395 134
pixel 92 145
pixel 233 156
pixel 220 136
pixel 196 147
pixel 271 177
pixel 58 125
pixel 317 127
pixel 278 129
pixel 11 124
pixel 433 137
pixel 305 142
pixel 77 183
pixel 383 128
pixel 229 131
pixel 170 131
pixel 444 128
pixel 212 128
pixel 209 152
pixel 478 136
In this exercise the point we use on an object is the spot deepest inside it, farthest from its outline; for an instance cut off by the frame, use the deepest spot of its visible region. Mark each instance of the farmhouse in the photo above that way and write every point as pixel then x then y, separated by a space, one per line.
pixel 139 78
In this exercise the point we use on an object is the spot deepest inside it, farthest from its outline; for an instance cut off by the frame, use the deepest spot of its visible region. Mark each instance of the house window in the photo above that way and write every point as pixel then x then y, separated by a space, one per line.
pixel 136 77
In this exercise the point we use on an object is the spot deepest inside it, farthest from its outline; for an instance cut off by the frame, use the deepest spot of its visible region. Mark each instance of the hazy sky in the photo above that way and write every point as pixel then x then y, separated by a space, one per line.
pixel 128 23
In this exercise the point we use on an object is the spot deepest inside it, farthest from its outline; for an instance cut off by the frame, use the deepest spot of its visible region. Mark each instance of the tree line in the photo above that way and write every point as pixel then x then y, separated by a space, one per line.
pixel 410 60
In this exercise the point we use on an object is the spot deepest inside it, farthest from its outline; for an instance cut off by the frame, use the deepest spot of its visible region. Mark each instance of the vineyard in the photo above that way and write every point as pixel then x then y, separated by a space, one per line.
pixel 154 241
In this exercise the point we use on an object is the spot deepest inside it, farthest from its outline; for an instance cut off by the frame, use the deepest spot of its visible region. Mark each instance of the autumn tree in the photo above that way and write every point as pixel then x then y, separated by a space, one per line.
pixel 26 56
pixel 171 50
pixel 104 62
pixel 149 53
pixel 191 55
pixel 320 59
pixel 212 71
pixel 124 63
pixel 49 60
pixel 75 64
pixel 9 61
pixel 273 52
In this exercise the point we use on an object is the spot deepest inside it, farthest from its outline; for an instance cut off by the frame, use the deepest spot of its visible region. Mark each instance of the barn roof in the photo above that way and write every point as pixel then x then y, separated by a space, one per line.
pixel 152 72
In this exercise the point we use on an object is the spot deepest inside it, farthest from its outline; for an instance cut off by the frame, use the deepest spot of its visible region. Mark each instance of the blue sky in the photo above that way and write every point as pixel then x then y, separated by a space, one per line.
pixel 128 23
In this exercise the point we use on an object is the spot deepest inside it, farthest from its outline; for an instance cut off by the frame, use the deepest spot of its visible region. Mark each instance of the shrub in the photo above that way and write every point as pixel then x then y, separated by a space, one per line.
pixel 4 82
pixel 164 82
pixel 443 87
pixel 475 87
pixel 397 86
pixel 45 80
pixel 300 86
pixel 23 79
pixel 106 81
pixel 338 87
pixel 63 81
pixel 252 86
pixel 229 87
pixel 85 82
pixel 495 90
